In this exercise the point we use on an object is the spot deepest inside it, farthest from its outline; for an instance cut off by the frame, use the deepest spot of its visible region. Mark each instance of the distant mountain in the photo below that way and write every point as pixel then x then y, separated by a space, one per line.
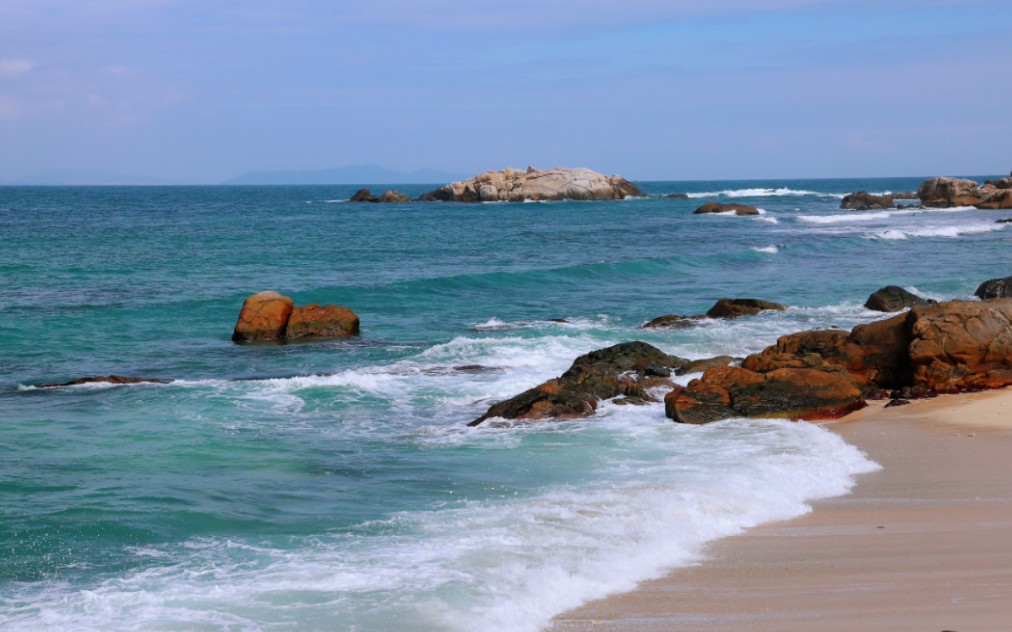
pixel 86 178
pixel 355 174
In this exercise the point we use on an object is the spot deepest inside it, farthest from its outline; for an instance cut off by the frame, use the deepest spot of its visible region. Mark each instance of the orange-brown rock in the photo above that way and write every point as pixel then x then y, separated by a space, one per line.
pixel 962 345
pixel 737 307
pixel 717 207
pixel 998 199
pixel 727 392
pixel 945 192
pixel 320 322
pixel 264 316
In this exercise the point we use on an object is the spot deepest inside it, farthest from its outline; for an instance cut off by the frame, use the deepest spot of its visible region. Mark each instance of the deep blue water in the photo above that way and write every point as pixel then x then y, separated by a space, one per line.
pixel 333 485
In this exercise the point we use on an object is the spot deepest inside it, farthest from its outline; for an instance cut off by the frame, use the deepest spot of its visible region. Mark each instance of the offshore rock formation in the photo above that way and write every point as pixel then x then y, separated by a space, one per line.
pixel 271 317
pixel 864 201
pixel 104 379
pixel 893 298
pixel 995 288
pixel 945 192
pixel 723 308
pixel 510 185
pixel 716 207
pixel 391 196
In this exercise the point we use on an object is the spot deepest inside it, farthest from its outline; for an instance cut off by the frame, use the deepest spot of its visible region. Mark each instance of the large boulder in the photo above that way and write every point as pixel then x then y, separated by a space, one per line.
pixel 716 207
pixel 726 392
pixel 995 288
pixel 864 201
pixel 945 192
pixel 996 199
pixel 316 322
pixel 627 369
pixel 962 346
pixel 510 185
pixel 264 316
pixel 737 307
pixel 893 298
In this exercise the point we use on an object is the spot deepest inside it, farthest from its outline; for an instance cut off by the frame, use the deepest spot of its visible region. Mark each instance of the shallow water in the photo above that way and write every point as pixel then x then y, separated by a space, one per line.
pixel 334 485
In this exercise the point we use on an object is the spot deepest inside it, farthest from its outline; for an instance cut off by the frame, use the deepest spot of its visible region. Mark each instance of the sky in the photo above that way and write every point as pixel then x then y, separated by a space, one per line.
pixel 198 91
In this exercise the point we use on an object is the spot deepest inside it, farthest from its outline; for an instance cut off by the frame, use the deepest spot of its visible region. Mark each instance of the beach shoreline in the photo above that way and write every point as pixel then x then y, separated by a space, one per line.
pixel 922 544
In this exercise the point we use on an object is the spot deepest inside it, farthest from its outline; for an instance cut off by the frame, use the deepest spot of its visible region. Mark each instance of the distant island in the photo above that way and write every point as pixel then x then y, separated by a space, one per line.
pixel 353 174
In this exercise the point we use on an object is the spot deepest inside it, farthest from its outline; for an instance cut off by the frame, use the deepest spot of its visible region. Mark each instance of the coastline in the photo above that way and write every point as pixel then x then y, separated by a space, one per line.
pixel 922 544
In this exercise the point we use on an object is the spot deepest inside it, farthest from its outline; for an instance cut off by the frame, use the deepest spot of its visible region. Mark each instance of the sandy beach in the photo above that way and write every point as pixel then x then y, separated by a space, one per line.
pixel 923 544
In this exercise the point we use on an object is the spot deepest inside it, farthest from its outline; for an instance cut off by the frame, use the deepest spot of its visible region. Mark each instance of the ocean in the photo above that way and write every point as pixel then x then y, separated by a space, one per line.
pixel 335 485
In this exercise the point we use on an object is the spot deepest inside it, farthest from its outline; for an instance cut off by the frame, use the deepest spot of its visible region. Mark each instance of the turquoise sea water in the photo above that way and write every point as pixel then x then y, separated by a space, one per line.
pixel 334 485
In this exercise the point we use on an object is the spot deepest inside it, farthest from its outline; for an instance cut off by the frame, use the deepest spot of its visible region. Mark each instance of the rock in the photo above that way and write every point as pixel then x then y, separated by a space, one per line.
pixel 997 199
pixel 893 298
pixel 673 321
pixel 716 207
pixel 626 369
pixel 1004 221
pixel 944 192
pixel 864 201
pixel 699 366
pixel 962 345
pixel 726 392
pixel 908 195
pixel 317 323
pixel 995 288
pixel 510 185
pixel 106 379
pixel 676 196
pixel 264 316
pixel 1001 183
pixel 896 402
pixel 737 307
pixel 364 195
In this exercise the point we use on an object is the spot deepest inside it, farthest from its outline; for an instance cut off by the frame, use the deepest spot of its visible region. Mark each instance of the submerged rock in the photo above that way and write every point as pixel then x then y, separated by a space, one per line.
pixel 864 201
pixel 510 185
pixel 391 196
pixel 105 379
pixel 627 369
pixel 738 307
pixel 893 298
pixel 716 207
pixel 673 321
pixel 995 288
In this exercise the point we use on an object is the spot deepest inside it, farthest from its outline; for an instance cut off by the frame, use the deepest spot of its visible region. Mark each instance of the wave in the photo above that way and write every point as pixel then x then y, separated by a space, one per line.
pixel 895 234
pixel 659 494
pixel 760 192
pixel 772 250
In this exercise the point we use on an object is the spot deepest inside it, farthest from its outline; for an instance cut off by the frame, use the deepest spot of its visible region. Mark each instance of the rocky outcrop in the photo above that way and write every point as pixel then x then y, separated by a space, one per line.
pixel 727 392
pixel 1001 183
pixel 264 316
pixel 738 307
pixel 945 192
pixel 624 370
pixel 104 379
pixel 864 201
pixel 699 366
pixel 316 322
pixel 673 321
pixel 716 207
pixel 271 317
pixel 391 196
pixel 997 199
pixel 893 298
pixel 995 288
pixel 511 185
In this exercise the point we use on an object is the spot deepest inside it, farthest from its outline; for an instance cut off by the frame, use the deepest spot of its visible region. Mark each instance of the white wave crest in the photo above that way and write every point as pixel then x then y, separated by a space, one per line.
pixel 772 250
pixel 895 234
pixel 760 192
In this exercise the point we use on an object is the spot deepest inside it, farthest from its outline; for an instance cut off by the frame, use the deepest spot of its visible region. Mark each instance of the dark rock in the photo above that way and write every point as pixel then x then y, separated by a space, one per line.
pixel 864 201
pixel 364 195
pixel 106 379
pixel 726 392
pixel 910 195
pixel 995 288
pixel 716 207
pixel 944 192
pixel 626 369
pixel 897 402
pixel 393 196
pixel 1003 221
pixel 1001 183
pixel 893 298
pixel 699 366
pixel 673 321
pixel 559 320
pixel 679 196
pixel 737 307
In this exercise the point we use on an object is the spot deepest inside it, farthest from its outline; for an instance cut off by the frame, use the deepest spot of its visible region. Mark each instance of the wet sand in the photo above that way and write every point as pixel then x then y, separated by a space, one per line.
pixel 924 544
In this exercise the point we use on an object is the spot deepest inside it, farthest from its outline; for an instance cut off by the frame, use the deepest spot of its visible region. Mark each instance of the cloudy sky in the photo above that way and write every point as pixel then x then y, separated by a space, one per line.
pixel 200 90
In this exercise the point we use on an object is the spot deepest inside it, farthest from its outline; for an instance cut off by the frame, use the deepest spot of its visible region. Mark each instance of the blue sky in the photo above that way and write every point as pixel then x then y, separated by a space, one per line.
pixel 200 90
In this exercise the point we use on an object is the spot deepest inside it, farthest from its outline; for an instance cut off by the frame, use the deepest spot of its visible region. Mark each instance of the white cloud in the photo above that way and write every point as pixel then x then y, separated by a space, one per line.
pixel 15 67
